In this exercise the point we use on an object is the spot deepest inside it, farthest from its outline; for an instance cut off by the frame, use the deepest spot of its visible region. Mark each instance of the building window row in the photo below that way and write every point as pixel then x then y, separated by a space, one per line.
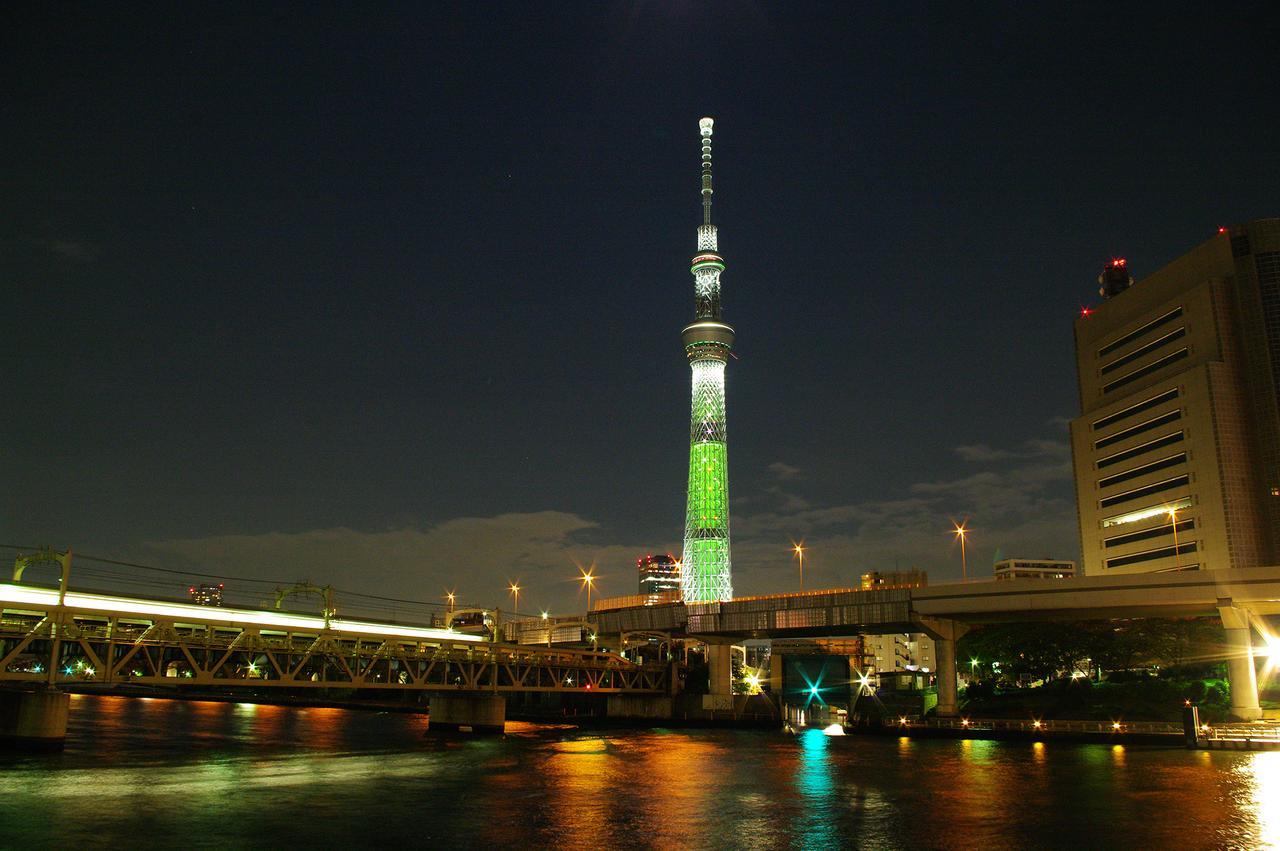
pixel 1143 350
pixel 1148 490
pixel 1150 368
pixel 1141 449
pixel 1134 410
pixel 1152 555
pixel 1158 322
pixel 1146 513
pixel 1129 475
pixel 1148 534
pixel 1148 425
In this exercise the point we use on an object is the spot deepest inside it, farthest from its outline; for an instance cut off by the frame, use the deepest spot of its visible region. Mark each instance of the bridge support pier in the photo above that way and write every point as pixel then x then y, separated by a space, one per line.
pixel 1241 674
pixel 34 720
pixel 777 663
pixel 467 713
pixel 720 669
pixel 945 632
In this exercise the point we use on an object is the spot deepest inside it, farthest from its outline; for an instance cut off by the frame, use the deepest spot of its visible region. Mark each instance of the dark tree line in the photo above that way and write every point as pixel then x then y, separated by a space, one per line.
pixel 1049 649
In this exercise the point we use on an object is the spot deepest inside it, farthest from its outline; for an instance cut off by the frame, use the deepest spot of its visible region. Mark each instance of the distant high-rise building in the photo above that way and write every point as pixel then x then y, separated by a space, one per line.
pixel 1034 568
pixel 1177 453
pixel 206 595
pixel 659 577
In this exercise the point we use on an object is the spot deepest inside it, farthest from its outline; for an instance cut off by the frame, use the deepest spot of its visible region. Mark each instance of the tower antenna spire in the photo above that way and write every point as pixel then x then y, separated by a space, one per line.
pixel 704 128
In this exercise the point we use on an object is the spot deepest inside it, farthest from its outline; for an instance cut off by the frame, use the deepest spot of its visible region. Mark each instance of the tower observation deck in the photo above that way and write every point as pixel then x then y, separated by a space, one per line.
pixel 706 573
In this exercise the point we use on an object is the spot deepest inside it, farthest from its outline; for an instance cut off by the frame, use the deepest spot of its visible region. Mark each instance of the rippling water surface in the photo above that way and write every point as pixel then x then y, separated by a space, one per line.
pixel 190 774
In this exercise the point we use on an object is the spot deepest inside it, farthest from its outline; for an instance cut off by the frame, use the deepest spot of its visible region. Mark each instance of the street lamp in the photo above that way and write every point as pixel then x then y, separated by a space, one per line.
pixel 588 580
pixel 450 597
pixel 515 592
pixel 962 533
pixel 798 549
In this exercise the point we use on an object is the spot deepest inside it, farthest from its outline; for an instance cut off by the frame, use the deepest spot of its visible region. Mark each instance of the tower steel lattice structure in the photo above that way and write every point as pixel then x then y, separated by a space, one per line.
pixel 706 568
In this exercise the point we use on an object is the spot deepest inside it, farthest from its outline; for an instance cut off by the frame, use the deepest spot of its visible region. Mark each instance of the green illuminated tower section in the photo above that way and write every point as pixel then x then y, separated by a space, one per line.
pixel 706 569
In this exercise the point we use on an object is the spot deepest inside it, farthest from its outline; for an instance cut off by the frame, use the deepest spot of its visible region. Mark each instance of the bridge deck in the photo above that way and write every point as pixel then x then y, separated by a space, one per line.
pixel 111 640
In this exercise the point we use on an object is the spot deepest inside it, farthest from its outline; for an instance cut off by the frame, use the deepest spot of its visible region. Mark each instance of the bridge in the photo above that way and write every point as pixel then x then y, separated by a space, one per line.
pixel 945 612
pixel 60 637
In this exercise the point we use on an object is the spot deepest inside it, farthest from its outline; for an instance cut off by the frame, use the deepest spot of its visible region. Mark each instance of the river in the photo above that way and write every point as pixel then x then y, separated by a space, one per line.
pixel 152 773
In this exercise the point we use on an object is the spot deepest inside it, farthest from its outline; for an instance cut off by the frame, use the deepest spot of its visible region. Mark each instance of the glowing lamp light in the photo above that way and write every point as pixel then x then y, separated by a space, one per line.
pixel 1036 724
pixel 1115 725
pixel 192 613
pixel 813 690
pixel 902 721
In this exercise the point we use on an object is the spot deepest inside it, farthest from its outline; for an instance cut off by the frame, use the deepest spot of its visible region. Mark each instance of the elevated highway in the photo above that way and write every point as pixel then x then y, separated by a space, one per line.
pixel 946 612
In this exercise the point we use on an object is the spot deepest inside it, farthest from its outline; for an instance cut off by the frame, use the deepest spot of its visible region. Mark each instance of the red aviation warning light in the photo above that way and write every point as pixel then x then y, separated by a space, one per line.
pixel 1115 278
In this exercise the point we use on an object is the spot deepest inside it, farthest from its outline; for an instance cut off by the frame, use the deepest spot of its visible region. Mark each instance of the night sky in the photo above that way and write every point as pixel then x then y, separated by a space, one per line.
pixel 391 297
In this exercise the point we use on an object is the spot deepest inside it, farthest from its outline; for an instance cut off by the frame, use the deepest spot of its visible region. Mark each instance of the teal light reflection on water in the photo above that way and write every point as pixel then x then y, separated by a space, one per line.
pixel 816 783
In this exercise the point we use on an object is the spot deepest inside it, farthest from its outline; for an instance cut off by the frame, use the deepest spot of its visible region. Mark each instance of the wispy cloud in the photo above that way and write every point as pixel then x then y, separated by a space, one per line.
pixel 1023 503
pixel 478 555
pixel 781 470
pixel 73 250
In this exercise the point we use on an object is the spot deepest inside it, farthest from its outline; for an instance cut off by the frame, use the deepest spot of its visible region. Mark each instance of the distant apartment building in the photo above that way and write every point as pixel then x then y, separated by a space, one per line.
pixel 1177 452
pixel 901 659
pixel 1034 568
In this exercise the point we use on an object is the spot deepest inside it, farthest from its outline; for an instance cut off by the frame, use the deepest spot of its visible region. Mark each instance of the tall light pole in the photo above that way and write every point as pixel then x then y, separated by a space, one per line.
pixel 962 533
pixel 798 549
pixel 588 580
pixel 449 595
pixel 515 592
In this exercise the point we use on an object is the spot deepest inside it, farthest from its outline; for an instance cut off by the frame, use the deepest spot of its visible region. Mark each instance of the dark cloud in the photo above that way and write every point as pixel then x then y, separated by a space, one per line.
pixel 74 251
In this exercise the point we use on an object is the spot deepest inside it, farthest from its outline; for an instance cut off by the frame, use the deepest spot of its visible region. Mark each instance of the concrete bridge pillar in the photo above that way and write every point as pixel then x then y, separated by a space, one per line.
pixel 1241 673
pixel 467 713
pixel 34 720
pixel 720 669
pixel 777 663
pixel 945 632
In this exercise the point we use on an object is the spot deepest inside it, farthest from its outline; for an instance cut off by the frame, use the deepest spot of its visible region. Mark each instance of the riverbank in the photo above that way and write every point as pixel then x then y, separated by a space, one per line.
pixel 1002 730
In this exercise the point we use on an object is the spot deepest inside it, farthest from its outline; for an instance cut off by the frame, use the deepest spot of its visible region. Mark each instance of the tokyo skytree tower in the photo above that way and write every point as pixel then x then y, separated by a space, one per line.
pixel 705 573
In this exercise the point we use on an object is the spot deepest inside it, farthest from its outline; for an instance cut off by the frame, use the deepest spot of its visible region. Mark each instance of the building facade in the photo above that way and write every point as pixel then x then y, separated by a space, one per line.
pixel 900 659
pixel 1177 452
pixel 1034 568
pixel 913 578
pixel 659 578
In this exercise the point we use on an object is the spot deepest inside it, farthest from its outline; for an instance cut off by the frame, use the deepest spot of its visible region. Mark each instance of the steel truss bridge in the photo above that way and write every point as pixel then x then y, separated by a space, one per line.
pixel 103 640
